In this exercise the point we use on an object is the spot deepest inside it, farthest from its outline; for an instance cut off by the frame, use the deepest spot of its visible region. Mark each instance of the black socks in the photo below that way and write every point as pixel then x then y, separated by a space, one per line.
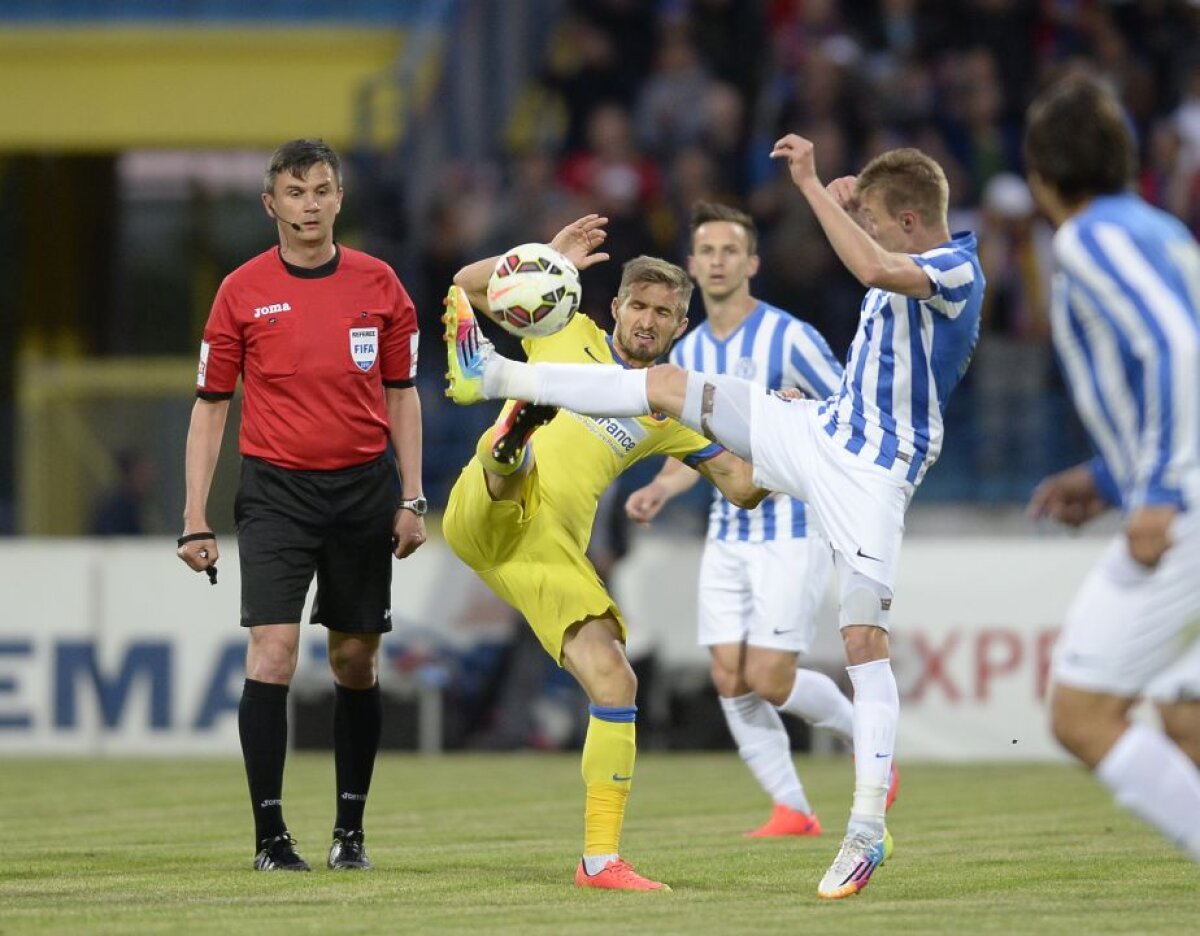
pixel 262 725
pixel 357 721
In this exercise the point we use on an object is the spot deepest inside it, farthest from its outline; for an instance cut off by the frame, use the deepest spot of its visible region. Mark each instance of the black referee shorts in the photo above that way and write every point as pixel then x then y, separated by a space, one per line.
pixel 337 524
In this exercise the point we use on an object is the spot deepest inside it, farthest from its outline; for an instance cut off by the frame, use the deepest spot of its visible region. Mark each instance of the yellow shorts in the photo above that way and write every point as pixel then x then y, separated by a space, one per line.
pixel 526 557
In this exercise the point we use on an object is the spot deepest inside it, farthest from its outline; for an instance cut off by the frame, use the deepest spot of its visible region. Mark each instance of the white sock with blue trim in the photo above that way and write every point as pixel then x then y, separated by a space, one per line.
pixel 876 713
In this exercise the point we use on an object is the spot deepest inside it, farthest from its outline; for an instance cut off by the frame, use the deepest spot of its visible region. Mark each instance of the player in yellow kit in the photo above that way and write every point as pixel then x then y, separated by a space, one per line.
pixel 521 512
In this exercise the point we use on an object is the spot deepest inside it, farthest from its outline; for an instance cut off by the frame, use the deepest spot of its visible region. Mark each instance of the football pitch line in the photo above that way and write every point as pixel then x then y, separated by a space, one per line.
pixel 488 844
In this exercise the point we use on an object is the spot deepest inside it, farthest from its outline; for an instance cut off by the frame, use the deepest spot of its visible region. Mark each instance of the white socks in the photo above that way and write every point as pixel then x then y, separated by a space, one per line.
pixel 509 380
pixel 763 741
pixel 594 864
pixel 764 745
pixel 876 712
pixel 588 389
pixel 817 699
pixel 1152 778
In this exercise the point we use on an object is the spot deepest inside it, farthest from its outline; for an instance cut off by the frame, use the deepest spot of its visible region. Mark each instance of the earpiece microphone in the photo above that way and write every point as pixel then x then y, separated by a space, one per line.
pixel 292 224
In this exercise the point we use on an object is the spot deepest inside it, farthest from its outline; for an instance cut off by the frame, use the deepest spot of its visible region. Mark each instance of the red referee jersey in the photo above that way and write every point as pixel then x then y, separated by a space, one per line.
pixel 315 349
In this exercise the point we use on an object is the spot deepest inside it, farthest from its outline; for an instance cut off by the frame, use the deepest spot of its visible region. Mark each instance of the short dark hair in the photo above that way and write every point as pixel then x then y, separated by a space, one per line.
pixel 703 212
pixel 1077 140
pixel 297 157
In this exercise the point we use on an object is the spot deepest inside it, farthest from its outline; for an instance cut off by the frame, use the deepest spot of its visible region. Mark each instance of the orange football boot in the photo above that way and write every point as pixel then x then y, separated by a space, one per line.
pixel 785 821
pixel 618 874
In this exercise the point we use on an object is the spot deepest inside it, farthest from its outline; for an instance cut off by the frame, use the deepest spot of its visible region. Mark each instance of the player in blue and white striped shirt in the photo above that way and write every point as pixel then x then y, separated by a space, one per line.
pixel 855 459
pixel 907 356
pixel 777 351
pixel 1126 325
pixel 764 572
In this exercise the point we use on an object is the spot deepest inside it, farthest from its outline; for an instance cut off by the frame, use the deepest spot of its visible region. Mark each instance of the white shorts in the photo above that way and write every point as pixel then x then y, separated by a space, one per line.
pixel 1135 632
pixel 765 594
pixel 859 505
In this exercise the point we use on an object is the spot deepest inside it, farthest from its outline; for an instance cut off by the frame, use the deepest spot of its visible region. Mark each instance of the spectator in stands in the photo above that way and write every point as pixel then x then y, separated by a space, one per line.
pixel 950 79
pixel 586 72
pixel 727 33
pixel 1011 373
pixel 724 135
pixel 667 116
pixel 122 510
pixel 977 134
pixel 615 179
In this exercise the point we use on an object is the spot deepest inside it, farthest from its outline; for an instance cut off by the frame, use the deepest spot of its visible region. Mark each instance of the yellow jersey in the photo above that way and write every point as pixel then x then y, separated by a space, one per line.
pixel 578 457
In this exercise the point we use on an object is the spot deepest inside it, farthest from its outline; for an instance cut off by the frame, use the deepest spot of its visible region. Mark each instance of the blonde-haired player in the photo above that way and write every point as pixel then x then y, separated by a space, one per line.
pixel 857 458
pixel 521 512
pixel 764 572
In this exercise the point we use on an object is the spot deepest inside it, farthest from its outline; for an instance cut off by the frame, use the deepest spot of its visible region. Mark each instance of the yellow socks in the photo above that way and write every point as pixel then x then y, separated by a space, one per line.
pixel 608 755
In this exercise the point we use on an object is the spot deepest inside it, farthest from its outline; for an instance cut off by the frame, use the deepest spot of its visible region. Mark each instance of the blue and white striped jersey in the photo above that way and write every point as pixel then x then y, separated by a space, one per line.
pixel 774 350
pixel 907 356
pixel 1124 321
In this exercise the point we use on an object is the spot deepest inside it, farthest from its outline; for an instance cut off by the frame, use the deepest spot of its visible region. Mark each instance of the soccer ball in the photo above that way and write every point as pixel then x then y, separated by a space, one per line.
pixel 534 291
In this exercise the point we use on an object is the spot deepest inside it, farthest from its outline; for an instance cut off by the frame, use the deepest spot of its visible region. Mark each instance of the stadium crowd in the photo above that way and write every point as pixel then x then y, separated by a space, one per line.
pixel 642 108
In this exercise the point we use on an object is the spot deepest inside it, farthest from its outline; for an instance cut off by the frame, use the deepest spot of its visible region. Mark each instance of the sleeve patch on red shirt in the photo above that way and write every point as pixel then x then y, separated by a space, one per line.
pixel 203 369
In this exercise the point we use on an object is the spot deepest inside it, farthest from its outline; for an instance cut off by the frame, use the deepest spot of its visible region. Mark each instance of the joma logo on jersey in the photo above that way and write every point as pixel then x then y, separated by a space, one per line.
pixel 272 309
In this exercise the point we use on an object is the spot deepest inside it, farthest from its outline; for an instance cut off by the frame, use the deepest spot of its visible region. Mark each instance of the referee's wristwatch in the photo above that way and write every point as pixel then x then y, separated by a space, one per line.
pixel 417 505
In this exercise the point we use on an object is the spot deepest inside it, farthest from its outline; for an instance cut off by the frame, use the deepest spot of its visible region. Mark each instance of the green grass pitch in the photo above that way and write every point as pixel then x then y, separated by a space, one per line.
pixel 488 844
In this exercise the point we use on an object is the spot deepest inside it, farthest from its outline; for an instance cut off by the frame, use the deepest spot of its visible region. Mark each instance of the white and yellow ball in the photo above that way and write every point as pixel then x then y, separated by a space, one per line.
pixel 534 290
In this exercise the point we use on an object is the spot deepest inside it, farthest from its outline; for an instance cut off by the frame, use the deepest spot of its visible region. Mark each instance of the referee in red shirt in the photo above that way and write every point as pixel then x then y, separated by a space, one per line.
pixel 325 341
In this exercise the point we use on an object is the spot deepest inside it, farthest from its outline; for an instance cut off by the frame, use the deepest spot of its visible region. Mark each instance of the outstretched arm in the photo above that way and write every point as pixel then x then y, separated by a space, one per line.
pixel 644 504
pixel 473 278
pixel 734 478
pixel 859 252
pixel 580 242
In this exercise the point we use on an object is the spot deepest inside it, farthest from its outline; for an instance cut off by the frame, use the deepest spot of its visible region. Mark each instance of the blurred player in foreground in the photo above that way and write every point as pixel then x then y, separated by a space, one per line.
pixel 1125 325
pixel 521 513
pixel 764 572
pixel 856 459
